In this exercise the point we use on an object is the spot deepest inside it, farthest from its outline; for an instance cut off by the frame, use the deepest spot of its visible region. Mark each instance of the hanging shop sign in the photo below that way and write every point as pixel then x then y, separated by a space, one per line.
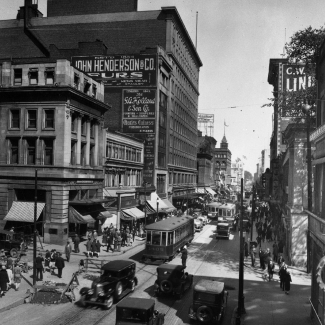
pixel 119 70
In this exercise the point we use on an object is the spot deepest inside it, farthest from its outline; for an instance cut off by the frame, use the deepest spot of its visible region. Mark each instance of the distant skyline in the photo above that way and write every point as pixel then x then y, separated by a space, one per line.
pixel 236 40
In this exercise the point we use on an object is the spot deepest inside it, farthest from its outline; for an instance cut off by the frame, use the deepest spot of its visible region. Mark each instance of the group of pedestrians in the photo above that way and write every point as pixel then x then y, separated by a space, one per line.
pixel 10 277
pixel 93 244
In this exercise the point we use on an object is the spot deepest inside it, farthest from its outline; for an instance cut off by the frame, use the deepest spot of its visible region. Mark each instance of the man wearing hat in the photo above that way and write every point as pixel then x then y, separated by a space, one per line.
pixel 39 267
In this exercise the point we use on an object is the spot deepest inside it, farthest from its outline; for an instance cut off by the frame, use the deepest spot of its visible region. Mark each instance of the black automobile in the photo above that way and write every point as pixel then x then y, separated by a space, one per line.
pixel 117 280
pixel 138 311
pixel 209 302
pixel 171 279
pixel 11 243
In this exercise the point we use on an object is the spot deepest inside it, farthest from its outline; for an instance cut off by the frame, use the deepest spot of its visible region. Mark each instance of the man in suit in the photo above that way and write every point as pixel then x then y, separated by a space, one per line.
pixel 39 267
pixel 68 251
pixel 59 263
pixel 76 244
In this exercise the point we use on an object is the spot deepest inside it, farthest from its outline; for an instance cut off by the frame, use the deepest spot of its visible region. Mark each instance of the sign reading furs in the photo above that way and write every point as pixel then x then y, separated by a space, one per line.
pixel 119 70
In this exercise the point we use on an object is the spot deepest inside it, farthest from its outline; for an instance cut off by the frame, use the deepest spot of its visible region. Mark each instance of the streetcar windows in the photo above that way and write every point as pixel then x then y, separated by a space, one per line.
pixel 156 238
pixel 148 237
pixel 170 238
pixel 163 238
pixel 228 213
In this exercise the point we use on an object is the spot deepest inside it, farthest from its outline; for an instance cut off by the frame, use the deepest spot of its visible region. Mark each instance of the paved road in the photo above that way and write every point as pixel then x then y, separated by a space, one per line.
pixel 208 257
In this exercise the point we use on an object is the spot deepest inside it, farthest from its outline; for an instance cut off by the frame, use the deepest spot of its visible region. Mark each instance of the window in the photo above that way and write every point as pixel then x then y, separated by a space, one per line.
pixel 83 154
pixel 48 152
pixel 49 76
pixel 92 129
pixel 86 86
pixel 83 126
pixel 53 231
pixel 94 93
pixel 49 118
pixel 31 151
pixel 76 81
pixel 18 77
pixel 32 119
pixel 156 238
pixel 73 123
pixel 92 156
pixel 33 76
pixel 73 153
pixel 148 237
pixel 15 119
pixel 13 151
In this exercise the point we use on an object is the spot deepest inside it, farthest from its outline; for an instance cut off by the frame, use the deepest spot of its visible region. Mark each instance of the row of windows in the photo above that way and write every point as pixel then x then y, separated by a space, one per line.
pixel 221 164
pixel 187 115
pixel 181 145
pixel 30 151
pixel 30 119
pixel 220 156
pixel 131 177
pixel 84 122
pixel 76 195
pixel 180 178
pixel 180 160
pixel 123 152
pixel 83 158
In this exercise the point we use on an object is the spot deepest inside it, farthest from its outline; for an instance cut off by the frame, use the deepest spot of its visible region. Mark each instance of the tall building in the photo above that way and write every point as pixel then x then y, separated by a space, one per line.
pixel 149 67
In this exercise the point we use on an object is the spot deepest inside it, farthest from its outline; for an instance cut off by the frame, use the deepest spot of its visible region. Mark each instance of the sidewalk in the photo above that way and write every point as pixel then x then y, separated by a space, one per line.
pixel 15 298
pixel 266 303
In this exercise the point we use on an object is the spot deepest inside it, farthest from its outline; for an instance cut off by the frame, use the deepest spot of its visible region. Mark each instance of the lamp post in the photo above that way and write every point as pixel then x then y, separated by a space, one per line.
pixel 253 212
pixel 34 238
pixel 157 208
pixel 145 203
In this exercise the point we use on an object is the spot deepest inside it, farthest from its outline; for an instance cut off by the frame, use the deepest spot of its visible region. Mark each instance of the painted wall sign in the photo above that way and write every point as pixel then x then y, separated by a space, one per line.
pixel 119 70
pixel 139 103
pixel 295 77
pixel 139 125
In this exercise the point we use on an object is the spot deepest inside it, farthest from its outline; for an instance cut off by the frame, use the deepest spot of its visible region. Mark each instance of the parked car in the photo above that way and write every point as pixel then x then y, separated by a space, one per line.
pixel 138 311
pixel 117 280
pixel 171 279
pixel 204 219
pixel 209 302
pixel 198 225
pixel 11 243
pixel 223 229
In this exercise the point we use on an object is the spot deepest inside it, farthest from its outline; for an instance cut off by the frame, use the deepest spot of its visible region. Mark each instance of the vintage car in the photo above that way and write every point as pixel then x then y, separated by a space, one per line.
pixel 11 243
pixel 198 225
pixel 209 302
pixel 138 311
pixel 117 280
pixel 171 279
pixel 223 230
pixel 204 219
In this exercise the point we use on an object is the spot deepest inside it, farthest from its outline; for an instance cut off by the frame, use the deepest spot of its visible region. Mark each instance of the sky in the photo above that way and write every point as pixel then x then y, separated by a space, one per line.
pixel 235 41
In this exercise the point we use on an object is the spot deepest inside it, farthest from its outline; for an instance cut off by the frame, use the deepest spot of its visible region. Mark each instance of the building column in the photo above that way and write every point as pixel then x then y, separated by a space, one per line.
pixel 96 127
pixel 88 143
pixel 78 150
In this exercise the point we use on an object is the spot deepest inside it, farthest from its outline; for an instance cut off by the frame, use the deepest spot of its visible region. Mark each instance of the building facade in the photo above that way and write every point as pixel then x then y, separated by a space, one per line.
pixel 51 120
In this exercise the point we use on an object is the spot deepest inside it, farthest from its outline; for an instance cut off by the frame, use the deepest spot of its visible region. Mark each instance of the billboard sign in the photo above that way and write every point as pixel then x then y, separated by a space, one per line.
pixel 295 77
pixel 119 70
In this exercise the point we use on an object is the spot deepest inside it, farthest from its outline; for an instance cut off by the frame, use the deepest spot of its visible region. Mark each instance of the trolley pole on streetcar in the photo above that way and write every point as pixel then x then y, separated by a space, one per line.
pixel 34 238
pixel 241 307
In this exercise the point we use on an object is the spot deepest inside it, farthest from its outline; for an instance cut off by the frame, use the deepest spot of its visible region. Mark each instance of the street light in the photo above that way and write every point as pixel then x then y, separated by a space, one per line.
pixel 145 203
pixel 34 238
pixel 157 207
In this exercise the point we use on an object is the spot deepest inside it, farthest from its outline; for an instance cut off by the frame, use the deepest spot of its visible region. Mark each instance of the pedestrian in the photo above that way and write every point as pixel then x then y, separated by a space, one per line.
pixel 258 240
pixel 39 267
pixel 89 234
pixel 10 263
pixel 134 231
pixel 282 274
pixel 52 261
pixel 253 255
pixel 110 242
pixel 287 280
pixel 17 276
pixel 68 250
pixel 95 235
pixel 123 237
pixel 275 251
pixel 94 248
pixel 261 256
pixel 59 263
pixel 119 240
pixel 4 280
pixel 81 265
pixel 280 260
pixel 76 243
pixel 270 269
pixel 98 246
pixel 47 260
pixel 9 272
pixel 128 235
pixel 130 239
pixel 88 247
pixel 184 256
pixel 104 237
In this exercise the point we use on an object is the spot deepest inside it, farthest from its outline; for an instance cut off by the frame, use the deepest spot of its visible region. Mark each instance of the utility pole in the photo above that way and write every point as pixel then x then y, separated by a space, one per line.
pixel 34 238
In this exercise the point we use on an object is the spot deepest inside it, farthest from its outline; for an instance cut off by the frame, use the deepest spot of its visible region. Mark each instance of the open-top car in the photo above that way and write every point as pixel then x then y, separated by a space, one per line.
pixel 209 302
pixel 138 311
pixel 171 279
pixel 117 280
pixel 11 243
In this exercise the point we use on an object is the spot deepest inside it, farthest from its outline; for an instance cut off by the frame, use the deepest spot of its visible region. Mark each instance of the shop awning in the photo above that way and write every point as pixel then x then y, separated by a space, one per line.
pixel 200 190
pixel 24 211
pixel 210 191
pixel 132 213
pixel 89 201
pixel 171 208
pixel 105 214
pixel 79 216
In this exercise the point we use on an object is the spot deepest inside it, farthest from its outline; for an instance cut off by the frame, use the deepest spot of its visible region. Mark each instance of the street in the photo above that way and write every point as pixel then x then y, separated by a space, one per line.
pixel 208 257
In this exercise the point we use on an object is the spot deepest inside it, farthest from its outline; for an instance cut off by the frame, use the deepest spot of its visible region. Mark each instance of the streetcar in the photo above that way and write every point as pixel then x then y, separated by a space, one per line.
pixel 165 238
pixel 213 209
pixel 226 212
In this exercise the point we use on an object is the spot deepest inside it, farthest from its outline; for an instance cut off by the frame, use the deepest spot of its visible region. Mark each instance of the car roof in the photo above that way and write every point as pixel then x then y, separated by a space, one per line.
pixel 137 303
pixel 209 286
pixel 117 265
pixel 170 267
pixel 168 224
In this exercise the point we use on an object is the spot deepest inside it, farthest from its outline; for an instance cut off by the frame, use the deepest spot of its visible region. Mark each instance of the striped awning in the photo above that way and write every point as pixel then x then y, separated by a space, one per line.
pixel 78 217
pixel 132 213
pixel 210 191
pixel 24 211
pixel 171 208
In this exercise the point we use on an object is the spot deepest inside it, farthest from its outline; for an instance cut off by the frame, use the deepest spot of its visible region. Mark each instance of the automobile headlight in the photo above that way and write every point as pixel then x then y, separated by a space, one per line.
pixel 90 291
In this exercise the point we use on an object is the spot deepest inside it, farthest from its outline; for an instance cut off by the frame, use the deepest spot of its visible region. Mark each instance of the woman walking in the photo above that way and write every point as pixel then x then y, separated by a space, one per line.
pixel 4 280
pixel 17 276
pixel 287 280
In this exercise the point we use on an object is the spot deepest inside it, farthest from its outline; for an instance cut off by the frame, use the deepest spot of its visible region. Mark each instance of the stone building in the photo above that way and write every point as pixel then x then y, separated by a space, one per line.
pixel 51 120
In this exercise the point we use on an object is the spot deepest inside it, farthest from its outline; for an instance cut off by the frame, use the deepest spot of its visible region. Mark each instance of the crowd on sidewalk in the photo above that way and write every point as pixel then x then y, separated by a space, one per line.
pixel 268 230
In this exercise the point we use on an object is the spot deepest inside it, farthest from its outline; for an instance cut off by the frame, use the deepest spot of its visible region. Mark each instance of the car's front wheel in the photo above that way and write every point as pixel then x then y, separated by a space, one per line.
pixel 204 314
pixel 118 290
pixel 108 303
pixel 166 286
